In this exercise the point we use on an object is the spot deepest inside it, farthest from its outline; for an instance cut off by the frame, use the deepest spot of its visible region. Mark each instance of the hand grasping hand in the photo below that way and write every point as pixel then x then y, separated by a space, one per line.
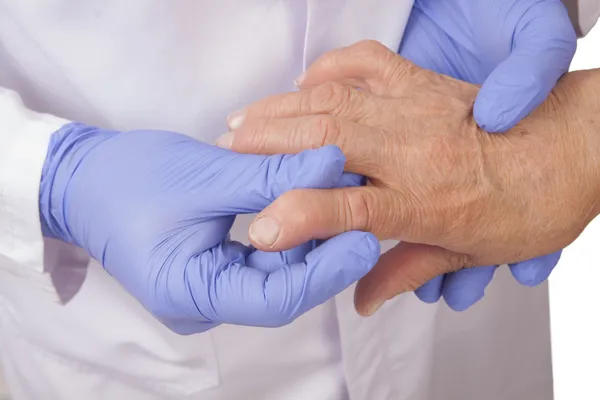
pixel 467 198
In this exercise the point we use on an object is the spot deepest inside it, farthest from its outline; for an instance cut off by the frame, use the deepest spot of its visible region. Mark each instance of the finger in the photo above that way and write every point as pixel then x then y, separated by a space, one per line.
pixel 361 145
pixel 403 269
pixel 368 65
pixel 543 47
pixel 247 296
pixel 302 215
pixel 533 272
pixel 431 291
pixel 271 261
pixel 464 288
pixel 252 182
pixel 187 326
pixel 328 98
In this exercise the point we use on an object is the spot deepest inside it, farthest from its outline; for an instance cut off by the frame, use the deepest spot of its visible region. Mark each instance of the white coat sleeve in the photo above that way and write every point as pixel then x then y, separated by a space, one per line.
pixel 584 14
pixel 24 139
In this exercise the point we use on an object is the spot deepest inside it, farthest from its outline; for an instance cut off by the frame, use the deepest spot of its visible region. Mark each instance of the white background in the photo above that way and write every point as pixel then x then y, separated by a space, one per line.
pixel 575 292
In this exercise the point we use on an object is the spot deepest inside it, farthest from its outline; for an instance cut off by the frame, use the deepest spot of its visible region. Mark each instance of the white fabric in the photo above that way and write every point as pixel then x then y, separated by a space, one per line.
pixel 184 66
pixel 584 14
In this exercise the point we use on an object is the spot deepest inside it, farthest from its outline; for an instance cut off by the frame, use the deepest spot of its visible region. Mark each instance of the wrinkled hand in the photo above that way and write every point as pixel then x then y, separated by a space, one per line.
pixel 517 49
pixel 155 209
pixel 466 197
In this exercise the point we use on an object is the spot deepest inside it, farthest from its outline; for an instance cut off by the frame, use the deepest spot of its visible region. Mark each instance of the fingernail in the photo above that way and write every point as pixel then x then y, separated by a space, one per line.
pixel 265 231
pixel 236 119
pixel 300 79
pixel 225 141
pixel 374 308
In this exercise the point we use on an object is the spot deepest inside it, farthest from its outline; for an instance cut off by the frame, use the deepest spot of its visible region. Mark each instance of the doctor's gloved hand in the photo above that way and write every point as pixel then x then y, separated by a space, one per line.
pixel 515 49
pixel 155 208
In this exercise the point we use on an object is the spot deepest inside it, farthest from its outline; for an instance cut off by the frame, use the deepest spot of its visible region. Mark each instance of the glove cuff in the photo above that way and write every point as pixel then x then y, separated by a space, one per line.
pixel 67 148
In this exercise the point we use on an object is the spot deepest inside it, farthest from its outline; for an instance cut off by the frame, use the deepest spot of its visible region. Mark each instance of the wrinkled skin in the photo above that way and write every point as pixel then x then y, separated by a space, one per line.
pixel 454 194
pixel 517 50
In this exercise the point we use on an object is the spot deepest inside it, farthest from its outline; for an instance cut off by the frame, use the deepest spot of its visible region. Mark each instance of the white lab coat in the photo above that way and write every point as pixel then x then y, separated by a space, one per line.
pixel 69 331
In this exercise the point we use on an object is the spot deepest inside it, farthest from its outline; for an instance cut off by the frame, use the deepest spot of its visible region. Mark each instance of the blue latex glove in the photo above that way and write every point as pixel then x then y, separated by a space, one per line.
pixel 155 209
pixel 517 49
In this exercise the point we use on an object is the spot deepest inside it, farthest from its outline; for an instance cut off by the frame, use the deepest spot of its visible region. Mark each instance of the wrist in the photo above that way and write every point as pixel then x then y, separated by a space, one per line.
pixel 68 147
pixel 547 168
pixel 579 99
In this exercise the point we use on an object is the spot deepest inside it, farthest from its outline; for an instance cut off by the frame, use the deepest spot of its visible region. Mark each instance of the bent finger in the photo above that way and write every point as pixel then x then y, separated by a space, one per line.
pixel 403 269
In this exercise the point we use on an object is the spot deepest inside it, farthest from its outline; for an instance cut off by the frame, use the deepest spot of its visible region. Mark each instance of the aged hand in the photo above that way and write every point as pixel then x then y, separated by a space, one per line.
pixel 517 50
pixel 456 196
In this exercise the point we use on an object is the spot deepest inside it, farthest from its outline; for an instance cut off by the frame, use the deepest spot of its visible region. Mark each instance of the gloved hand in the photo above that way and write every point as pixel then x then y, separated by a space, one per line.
pixel 517 49
pixel 155 209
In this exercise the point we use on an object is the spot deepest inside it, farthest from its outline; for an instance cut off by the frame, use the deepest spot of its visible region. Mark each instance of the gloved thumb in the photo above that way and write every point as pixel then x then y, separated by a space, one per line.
pixel 543 46
pixel 243 295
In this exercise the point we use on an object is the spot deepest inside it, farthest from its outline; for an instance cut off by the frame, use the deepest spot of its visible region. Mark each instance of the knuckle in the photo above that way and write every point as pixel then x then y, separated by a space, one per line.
pixel 355 209
pixel 328 131
pixel 372 47
pixel 295 205
pixel 255 136
pixel 458 261
pixel 402 71
pixel 328 97
pixel 411 281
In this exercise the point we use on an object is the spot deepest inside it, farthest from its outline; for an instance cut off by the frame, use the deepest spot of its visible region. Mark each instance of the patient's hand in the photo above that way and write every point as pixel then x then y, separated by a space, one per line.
pixel 456 196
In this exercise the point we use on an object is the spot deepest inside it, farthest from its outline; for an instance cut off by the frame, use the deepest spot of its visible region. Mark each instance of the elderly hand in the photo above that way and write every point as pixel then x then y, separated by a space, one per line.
pixel 517 49
pixel 456 196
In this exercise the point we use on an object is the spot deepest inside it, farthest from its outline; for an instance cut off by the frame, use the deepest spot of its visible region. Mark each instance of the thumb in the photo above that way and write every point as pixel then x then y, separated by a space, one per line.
pixel 404 268
pixel 301 215
pixel 543 46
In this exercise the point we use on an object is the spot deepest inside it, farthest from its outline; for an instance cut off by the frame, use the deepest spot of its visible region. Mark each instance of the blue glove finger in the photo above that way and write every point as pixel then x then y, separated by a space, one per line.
pixel 543 46
pixel 351 180
pixel 270 261
pixel 431 291
pixel 247 296
pixel 536 271
pixel 186 326
pixel 466 287
pixel 259 183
